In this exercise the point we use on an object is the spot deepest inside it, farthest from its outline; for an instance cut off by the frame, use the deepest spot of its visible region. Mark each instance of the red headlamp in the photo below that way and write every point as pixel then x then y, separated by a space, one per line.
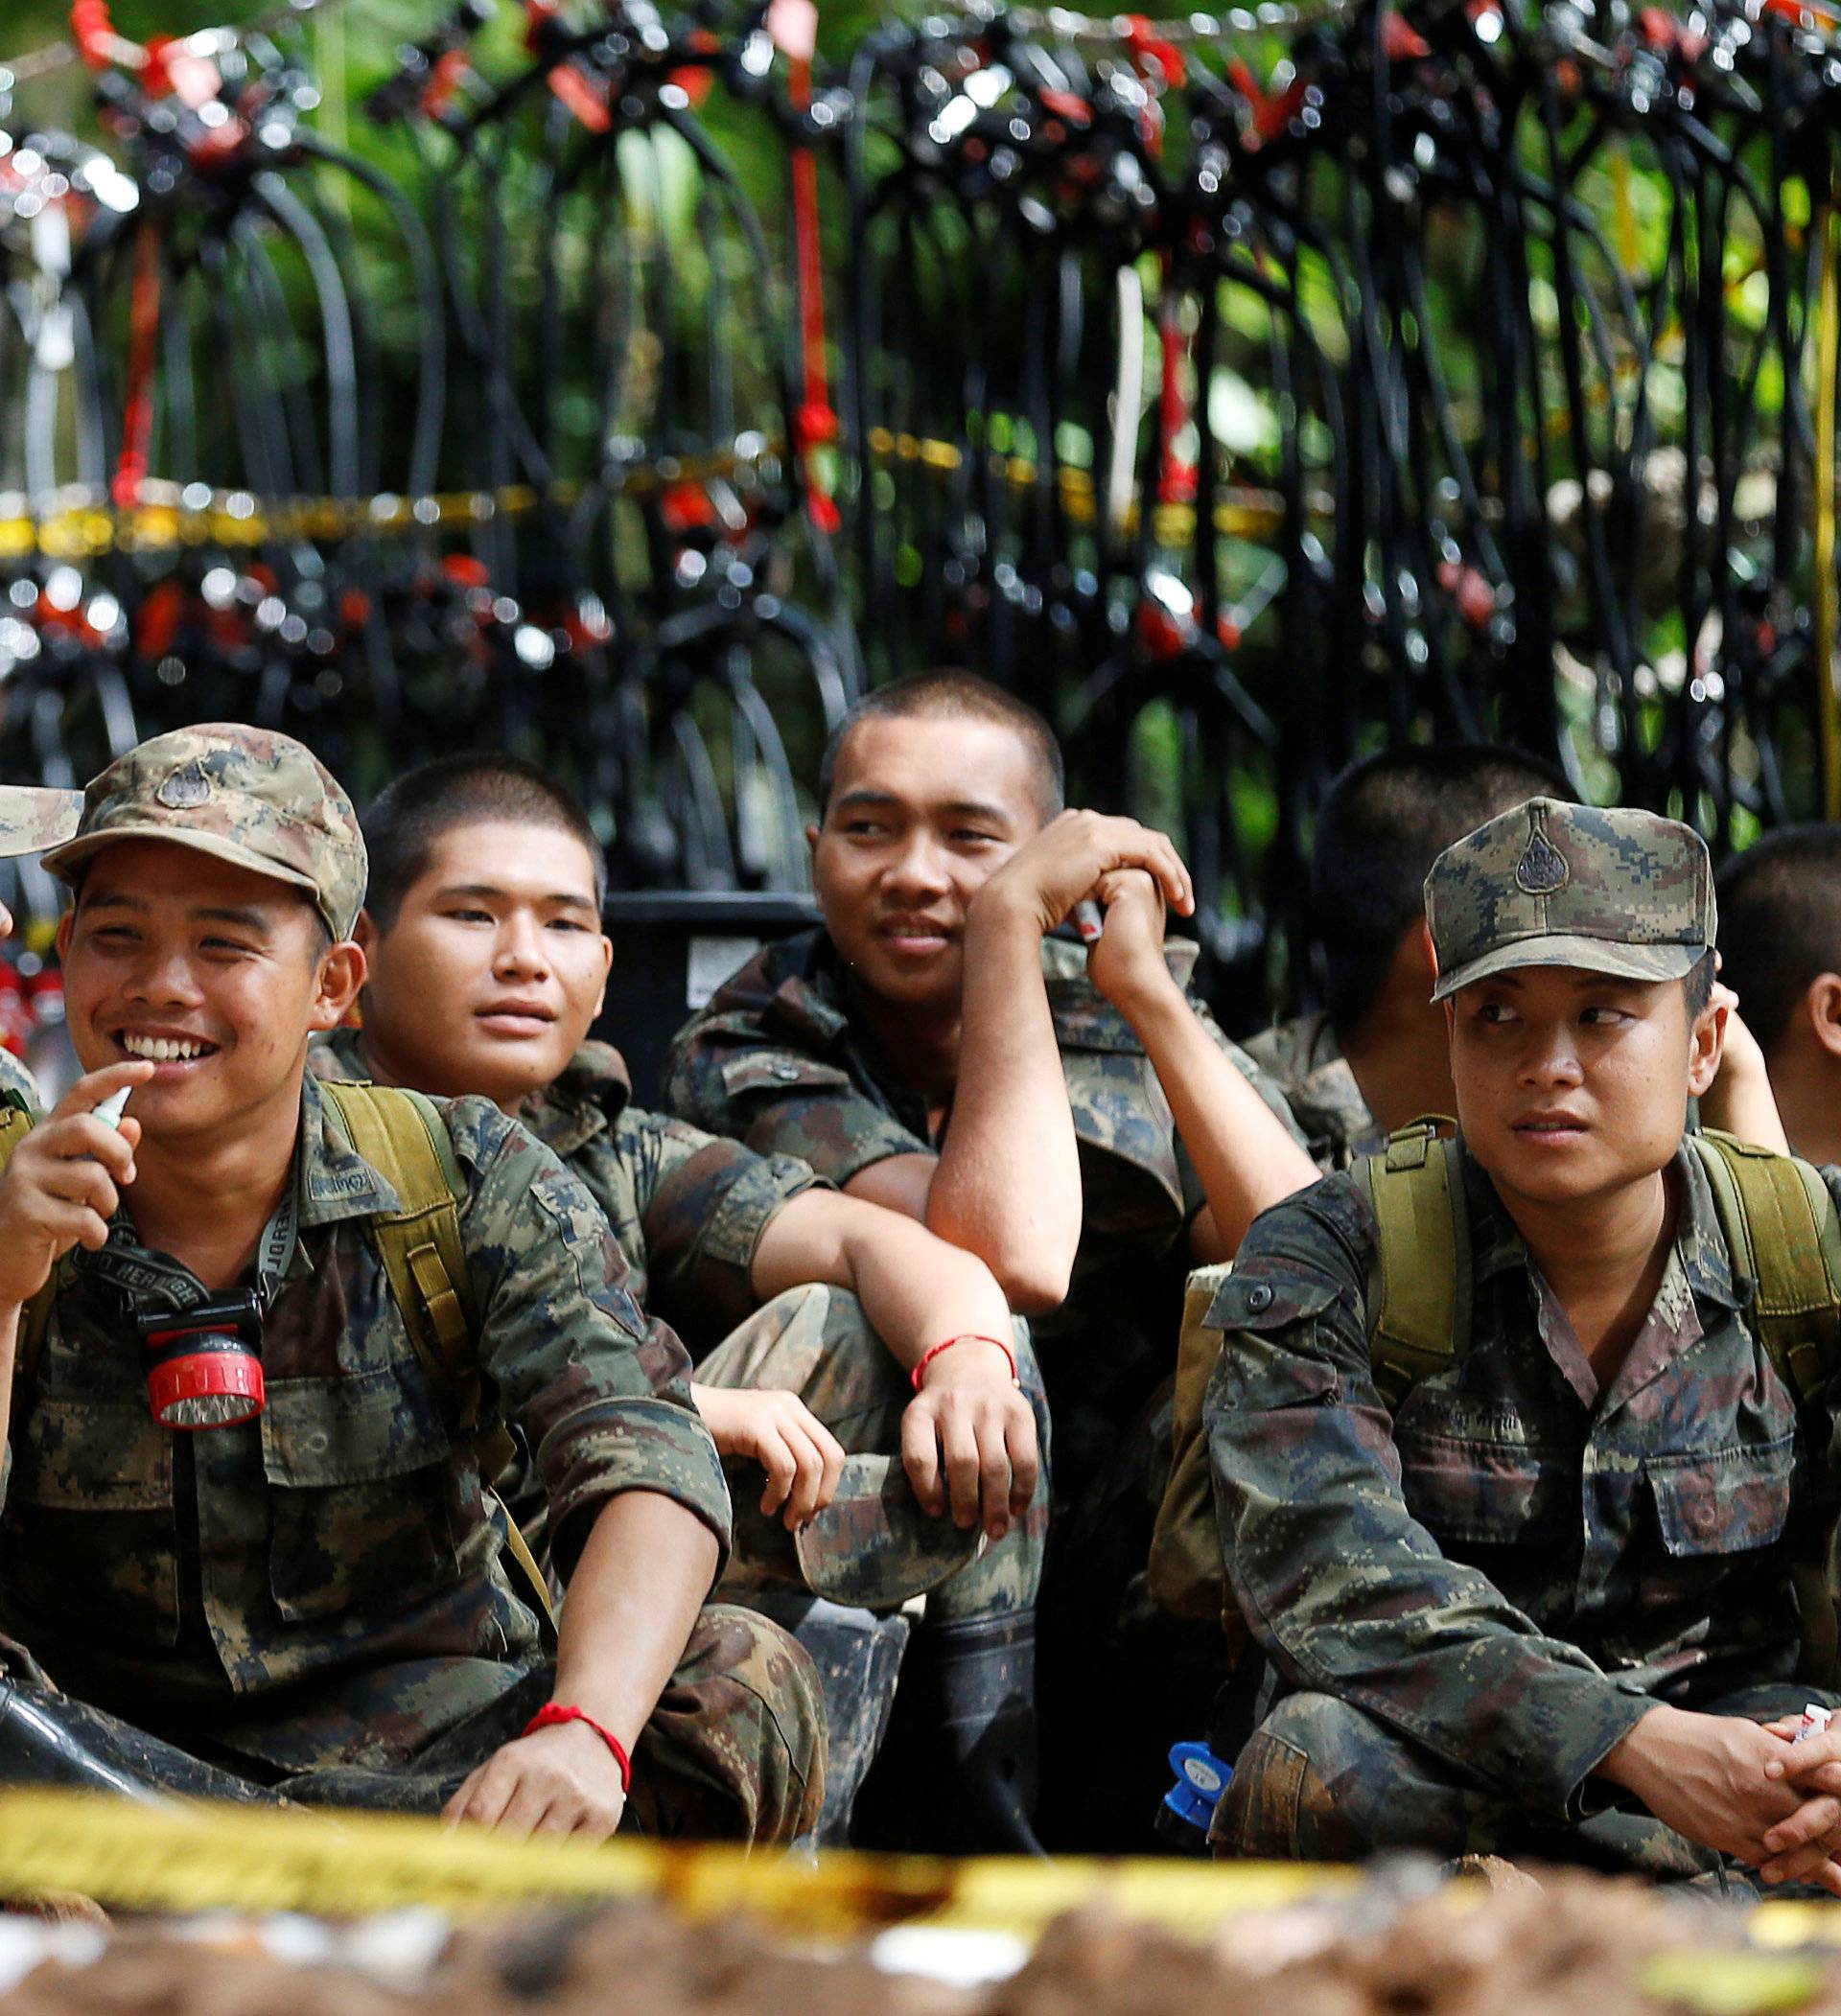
pixel 202 1370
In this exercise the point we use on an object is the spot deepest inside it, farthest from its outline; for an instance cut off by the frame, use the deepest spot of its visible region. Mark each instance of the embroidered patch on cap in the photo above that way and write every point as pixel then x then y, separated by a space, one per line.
pixel 186 789
pixel 1542 870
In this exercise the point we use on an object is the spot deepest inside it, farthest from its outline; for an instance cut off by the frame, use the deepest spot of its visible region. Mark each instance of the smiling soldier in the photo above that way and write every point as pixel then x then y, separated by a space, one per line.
pixel 243 1507
pixel 1522 1441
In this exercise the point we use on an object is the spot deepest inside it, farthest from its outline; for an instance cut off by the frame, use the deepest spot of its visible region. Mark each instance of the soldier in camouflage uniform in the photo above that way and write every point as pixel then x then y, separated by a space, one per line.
pixel 485 968
pixel 1543 1604
pixel 312 1600
pixel 939 1049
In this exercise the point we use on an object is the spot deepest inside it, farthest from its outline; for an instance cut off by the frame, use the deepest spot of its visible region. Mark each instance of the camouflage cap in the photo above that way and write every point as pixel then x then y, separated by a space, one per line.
pixel 1554 885
pixel 244 794
pixel 32 819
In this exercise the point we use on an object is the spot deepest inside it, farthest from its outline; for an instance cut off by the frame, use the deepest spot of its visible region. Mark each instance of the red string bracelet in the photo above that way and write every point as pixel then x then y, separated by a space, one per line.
pixel 969 1336
pixel 553 1713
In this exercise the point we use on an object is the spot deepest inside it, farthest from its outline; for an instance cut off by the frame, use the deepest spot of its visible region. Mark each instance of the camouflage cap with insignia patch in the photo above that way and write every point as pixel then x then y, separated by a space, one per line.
pixel 245 795
pixel 1556 885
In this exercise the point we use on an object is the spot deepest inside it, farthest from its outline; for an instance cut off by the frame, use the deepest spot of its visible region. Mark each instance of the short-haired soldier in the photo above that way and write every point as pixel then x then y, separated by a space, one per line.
pixel 294 1580
pixel 1523 1489
pixel 1375 1056
pixel 941 1046
pixel 803 1310
pixel 1780 934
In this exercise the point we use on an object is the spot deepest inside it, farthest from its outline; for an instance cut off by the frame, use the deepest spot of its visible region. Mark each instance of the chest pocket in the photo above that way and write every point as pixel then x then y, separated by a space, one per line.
pixel 1483 1494
pixel 367 1493
pixel 1476 1472
pixel 88 1523
pixel 1732 1502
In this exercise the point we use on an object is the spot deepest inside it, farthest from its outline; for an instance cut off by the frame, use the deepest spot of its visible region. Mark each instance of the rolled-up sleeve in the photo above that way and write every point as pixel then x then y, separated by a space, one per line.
pixel 1348 1593
pixel 601 1393
pixel 703 1203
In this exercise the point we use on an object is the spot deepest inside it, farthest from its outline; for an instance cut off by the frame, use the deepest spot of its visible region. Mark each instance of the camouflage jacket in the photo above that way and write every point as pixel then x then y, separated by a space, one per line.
pixel 323 1583
pixel 777 1061
pixel 1515 1569
pixel 1307 1062
pixel 688 1208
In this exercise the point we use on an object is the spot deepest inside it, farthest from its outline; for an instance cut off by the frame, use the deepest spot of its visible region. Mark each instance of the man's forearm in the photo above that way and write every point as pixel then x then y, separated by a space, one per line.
pixel 916 1290
pixel 643 1574
pixel 1008 1186
pixel 9 1315
pixel 1244 1158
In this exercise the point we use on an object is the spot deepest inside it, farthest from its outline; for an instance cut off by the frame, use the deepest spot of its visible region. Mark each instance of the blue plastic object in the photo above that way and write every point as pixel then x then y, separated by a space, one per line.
pixel 1201 1778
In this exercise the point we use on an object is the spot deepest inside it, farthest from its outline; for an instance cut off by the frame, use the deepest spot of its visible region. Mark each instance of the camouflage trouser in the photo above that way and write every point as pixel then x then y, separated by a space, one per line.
pixel 816 1341
pixel 1321 1781
pixel 735 1749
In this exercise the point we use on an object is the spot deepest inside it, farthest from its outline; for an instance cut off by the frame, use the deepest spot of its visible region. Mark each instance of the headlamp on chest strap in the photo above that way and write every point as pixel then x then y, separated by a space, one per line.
pixel 203 1368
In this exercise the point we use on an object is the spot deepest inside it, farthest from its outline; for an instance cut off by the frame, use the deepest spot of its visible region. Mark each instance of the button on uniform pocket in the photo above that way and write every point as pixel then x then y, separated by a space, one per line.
pixel 1729 1502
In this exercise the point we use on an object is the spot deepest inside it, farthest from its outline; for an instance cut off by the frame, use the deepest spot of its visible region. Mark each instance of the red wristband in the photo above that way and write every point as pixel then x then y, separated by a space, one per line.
pixel 554 1712
pixel 969 1336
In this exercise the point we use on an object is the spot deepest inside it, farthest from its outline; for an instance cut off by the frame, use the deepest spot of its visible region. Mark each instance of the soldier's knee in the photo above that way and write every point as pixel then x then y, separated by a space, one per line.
pixel 1311 1783
pixel 757 1662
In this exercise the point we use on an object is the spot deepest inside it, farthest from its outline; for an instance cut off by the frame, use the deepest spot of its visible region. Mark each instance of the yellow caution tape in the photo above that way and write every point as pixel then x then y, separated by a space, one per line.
pixel 185 1857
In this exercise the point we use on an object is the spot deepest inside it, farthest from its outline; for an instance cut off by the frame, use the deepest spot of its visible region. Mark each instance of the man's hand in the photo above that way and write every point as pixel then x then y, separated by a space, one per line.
pixel 1740 1100
pixel 1807 1847
pixel 802 1457
pixel 64 1181
pixel 1067 860
pixel 1127 963
pixel 1708 1776
pixel 968 1440
pixel 562 1779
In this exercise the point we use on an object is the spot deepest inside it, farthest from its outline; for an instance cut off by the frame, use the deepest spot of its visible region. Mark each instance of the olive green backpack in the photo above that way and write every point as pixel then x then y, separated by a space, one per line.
pixel 403 1136
pixel 1780 1229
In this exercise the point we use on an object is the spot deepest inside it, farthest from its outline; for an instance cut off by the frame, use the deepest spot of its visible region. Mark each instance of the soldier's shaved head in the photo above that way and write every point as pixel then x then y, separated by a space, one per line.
pixel 1780 904
pixel 1384 823
pixel 953 695
pixel 407 817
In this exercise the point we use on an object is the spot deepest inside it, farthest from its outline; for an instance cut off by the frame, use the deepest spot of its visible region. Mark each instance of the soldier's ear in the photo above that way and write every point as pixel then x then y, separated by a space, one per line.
pixel 1822 1005
pixel 342 975
pixel 1706 1045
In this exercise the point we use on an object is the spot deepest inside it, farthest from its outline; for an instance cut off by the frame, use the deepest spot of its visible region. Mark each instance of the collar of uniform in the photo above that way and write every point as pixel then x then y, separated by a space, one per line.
pixel 804 979
pixel 1495 1244
pixel 586 1097
pixel 336 1181
pixel 1321 1085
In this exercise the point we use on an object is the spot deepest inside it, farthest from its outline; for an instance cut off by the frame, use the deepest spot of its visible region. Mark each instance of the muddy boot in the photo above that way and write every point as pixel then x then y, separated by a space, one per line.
pixel 961 1768
pixel 46 1738
pixel 858 1657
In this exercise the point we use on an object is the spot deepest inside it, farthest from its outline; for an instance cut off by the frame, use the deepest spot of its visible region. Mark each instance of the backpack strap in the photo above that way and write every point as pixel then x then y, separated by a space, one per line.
pixel 1782 1230
pixel 1420 1303
pixel 402 1135
pixel 404 1138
